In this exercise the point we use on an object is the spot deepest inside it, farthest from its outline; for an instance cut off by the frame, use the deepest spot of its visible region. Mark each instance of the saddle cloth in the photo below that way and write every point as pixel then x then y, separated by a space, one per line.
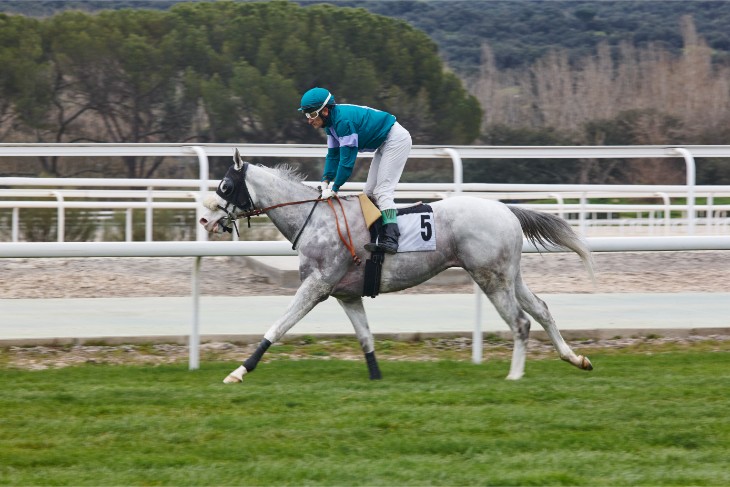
pixel 416 225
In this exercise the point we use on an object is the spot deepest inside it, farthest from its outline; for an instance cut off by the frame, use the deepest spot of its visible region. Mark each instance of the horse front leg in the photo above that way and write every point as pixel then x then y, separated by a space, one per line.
pixel 356 312
pixel 312 292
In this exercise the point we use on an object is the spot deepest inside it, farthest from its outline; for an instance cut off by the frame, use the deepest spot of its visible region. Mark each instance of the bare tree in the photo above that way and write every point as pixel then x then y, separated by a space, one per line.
pixel 557 93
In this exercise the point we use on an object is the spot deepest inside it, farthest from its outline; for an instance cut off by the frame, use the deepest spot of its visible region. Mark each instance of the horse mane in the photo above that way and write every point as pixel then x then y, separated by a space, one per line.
pixel 286 171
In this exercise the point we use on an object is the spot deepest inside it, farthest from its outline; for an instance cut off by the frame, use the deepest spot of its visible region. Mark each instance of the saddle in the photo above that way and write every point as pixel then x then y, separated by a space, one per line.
pixel 369 211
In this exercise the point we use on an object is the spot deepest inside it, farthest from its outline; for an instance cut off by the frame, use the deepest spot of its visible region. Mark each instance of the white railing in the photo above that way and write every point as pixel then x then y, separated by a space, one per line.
pixel 586 216
pixel 716 215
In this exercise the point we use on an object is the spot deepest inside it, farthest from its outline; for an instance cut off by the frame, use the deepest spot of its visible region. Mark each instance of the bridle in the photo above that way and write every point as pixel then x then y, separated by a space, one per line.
pixel 234 191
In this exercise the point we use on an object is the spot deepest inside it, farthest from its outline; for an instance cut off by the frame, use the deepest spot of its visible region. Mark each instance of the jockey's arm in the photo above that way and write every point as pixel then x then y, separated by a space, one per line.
pixel 348 155
pixel 330 164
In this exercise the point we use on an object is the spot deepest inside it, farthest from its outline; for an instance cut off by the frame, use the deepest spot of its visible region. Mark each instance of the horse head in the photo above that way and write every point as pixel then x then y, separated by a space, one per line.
pixel 232 199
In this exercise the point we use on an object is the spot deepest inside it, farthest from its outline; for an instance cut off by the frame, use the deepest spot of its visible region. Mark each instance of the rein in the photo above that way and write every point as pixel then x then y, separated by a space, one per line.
pixel 234 191
pixel 347 242
pixel 260 211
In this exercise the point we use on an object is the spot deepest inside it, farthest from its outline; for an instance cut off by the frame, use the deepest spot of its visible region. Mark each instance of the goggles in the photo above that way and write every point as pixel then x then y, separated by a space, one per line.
pixel 315 113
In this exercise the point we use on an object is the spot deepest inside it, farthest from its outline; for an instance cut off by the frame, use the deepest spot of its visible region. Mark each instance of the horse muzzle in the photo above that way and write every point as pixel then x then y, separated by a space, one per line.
pixel 217 226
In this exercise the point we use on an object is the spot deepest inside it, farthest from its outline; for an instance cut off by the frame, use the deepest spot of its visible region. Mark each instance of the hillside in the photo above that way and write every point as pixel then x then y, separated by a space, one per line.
pixel 518 31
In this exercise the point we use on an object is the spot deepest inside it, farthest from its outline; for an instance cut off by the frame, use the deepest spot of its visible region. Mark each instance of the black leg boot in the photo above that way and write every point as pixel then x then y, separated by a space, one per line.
pixel 388 243
pixel 387 239
pixel 376 235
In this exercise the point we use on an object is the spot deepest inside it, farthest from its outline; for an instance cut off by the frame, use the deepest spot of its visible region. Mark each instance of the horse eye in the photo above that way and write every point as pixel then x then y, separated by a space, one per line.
pixel 226 186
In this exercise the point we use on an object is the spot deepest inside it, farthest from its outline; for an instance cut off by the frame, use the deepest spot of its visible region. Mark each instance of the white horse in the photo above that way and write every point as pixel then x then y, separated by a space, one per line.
pixel 482 236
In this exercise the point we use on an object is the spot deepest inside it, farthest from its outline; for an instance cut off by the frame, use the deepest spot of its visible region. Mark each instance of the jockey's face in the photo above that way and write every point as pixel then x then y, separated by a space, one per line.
pixel 318 122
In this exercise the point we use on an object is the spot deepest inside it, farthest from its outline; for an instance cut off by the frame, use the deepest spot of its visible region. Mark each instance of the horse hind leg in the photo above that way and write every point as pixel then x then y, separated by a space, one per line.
pixel 506 304
pixel 356 313
pixel 503 299
pixel 537 308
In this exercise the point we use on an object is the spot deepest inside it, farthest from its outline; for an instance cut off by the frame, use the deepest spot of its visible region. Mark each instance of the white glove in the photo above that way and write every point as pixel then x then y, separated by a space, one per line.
pixel 327 191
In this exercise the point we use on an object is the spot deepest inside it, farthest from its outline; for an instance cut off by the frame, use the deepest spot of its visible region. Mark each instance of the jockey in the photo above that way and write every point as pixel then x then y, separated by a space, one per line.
pixel 351 129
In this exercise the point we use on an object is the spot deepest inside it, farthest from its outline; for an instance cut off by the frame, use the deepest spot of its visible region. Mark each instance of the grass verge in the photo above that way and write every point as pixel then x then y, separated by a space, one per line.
pixel 638 419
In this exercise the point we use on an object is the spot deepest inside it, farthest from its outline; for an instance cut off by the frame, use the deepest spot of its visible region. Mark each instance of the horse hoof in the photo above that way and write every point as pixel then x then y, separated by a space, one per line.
pixel 585 364
pixel 235 376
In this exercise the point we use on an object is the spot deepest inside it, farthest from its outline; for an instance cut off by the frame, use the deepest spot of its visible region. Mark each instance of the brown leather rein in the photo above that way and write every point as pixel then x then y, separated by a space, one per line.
pixel 347 242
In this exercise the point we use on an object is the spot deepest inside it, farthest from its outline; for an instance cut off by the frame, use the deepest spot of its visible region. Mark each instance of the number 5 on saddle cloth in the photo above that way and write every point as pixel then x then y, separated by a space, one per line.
pixel 417 234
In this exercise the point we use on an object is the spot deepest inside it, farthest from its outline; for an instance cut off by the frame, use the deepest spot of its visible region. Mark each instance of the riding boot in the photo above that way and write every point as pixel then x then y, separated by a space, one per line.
pixel 388 234
pixel 387 239
pixel 388 243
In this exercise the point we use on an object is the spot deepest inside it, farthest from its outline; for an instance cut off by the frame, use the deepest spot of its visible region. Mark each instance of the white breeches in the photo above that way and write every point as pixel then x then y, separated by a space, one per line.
pixel 387 167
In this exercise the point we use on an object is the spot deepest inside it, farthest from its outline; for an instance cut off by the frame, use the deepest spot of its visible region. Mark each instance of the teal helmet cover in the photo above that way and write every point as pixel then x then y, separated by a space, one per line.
pixel 315 98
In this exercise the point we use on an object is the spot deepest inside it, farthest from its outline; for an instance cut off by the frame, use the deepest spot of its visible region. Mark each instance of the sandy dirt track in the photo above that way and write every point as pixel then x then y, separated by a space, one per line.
pixel 635 272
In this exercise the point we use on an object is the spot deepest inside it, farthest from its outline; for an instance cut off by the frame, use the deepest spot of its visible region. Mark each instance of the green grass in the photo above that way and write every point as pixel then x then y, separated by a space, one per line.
pixel 637 419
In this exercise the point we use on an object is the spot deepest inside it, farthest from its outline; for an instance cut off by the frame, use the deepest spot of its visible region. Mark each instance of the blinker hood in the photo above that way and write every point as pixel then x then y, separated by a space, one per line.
pixel 233 189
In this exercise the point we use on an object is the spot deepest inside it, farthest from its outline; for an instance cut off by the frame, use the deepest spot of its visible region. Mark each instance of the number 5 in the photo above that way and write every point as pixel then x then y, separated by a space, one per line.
pixel 426 230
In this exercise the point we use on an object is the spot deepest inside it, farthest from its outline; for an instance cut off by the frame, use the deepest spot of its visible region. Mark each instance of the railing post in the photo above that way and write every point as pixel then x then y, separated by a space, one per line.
pixel 128 228
pixel 203 176
pixel 194 340
pixel 689 160
pixel 561 203
pixel 667 210
pixel 458 168
pixel 61 216
pixel 477 336
pixel 201 235
pixel 15 231
pixel 708 215
pixel 148 221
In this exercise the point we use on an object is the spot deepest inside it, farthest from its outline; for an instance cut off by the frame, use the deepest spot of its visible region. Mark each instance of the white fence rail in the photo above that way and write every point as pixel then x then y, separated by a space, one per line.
pixel 711 217
pixel 586 216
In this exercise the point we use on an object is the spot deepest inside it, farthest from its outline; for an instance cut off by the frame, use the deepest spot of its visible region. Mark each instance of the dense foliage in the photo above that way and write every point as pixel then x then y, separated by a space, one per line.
pixel 519 31
pixel 217 72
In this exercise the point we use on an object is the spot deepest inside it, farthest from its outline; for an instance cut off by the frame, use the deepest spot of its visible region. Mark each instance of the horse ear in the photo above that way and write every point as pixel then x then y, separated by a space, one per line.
pixel 237 160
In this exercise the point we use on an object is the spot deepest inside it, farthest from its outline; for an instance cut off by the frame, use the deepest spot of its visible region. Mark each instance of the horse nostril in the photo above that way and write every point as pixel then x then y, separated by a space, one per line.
pixel 203 221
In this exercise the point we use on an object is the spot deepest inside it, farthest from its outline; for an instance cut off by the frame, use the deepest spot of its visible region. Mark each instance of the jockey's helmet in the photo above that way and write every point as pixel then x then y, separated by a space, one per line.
pixel 315 99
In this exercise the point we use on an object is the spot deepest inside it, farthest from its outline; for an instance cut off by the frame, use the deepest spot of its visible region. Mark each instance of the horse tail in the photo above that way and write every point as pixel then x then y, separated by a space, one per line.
pixel 549 230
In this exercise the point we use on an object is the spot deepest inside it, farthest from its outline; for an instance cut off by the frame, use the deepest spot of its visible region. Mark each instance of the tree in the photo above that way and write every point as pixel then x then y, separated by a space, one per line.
pixel 117 80
pixel 24 78
pixel 222 72
pixel 277 50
